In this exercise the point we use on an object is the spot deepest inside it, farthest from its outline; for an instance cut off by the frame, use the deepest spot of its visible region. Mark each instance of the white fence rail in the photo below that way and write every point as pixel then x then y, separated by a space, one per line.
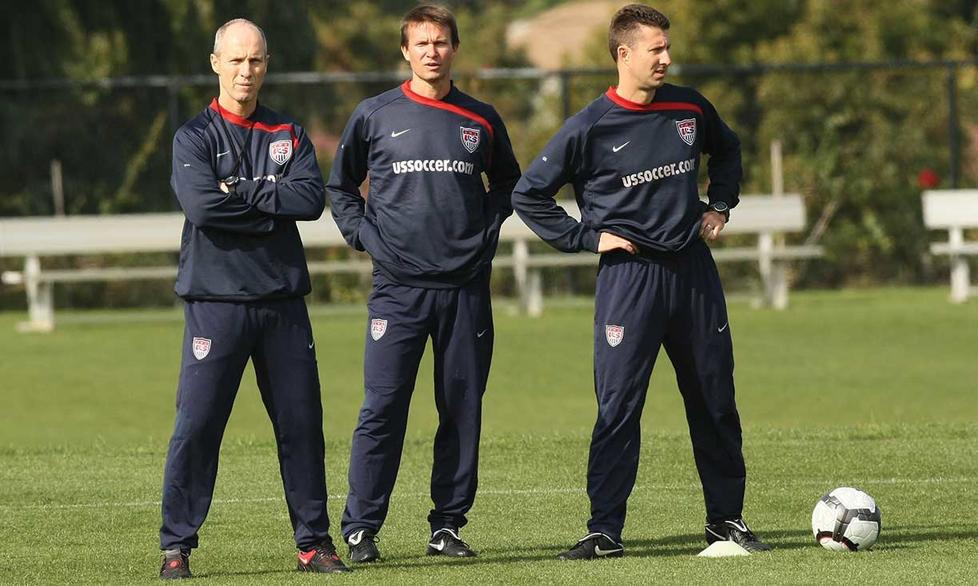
pixel 37 238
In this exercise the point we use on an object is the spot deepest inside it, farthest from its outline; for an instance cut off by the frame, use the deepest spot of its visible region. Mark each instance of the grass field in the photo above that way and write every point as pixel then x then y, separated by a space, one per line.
pixel 874 388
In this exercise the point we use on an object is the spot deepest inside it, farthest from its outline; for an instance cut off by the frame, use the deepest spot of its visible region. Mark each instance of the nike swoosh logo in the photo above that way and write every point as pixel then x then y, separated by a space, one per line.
pixel 311 345
pixel 482 333
pixel 619 147
pixel 219 155
pixel 718 536
pixel 397 134
pixel 356 538
pixel 720 330
pixel 741 525
pixel 603 552
pixel 440 546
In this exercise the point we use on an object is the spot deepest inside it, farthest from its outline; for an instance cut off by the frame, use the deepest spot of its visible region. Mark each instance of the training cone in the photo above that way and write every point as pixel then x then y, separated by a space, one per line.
pixel 722 549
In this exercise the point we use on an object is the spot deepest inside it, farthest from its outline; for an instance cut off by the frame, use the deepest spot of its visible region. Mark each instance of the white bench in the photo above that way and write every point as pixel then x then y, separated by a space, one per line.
pixel 955 211
pixel 762 215
pixel 35 238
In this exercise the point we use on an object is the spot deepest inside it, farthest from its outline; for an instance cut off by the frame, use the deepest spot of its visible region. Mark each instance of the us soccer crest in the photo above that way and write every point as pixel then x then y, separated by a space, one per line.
pixel 280 151
pixel 378 327
pixel 470 138
pixel 614 334
pixel 201 347
pixel 687 130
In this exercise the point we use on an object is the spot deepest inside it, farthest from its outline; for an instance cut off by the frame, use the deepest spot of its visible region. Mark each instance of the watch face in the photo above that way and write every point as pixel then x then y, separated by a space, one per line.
pixel 719 206
pixel 230 180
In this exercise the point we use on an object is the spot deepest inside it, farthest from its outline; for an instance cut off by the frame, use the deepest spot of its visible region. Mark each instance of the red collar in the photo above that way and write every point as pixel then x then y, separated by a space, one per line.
pixel 406 88
pixel 443 105
pixel 627 104
pixel 651 106
pixel 254 124
pixel 231 117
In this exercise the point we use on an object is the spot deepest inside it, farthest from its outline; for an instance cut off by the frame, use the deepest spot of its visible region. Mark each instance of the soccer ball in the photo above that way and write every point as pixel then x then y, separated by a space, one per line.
pixel 846 519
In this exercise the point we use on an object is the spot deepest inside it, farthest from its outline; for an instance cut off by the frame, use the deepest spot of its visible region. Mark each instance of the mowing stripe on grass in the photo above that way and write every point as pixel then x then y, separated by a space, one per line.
pixel 491 492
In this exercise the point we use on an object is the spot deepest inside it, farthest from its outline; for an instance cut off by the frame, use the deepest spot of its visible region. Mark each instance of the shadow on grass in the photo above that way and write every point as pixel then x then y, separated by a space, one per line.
pixel 893 537
pixel 244 573
pixel 907 535
pixel 671 546
pixel 693 543
pixel 899 537
pixel 523 553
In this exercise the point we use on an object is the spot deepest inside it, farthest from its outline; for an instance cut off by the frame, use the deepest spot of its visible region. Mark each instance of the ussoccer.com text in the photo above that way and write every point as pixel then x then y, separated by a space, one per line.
pixel 657 173
pixel 434 165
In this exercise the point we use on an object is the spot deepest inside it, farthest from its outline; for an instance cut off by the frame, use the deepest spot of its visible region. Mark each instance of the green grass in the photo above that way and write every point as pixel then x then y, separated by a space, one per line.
pixel 868 388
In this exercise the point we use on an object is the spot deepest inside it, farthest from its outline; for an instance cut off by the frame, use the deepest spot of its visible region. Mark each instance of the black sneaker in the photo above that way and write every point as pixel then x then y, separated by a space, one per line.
pixel 736 531
pixel 321 559
pixel 176 565
pixel 447 542
pixel 594 546
pixel 363 547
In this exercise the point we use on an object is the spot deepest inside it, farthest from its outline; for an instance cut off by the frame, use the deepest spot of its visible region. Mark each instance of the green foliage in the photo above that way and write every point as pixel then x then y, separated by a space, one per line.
pixel 857 140
pixel 356 36
pixel 854 141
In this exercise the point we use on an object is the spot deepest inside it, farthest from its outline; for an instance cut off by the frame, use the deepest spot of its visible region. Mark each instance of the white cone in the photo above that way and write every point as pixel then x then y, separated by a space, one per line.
pixel 723 549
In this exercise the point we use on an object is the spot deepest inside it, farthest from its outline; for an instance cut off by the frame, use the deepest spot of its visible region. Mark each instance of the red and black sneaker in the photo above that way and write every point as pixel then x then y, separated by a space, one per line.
pixel 321 559
pixel 176 565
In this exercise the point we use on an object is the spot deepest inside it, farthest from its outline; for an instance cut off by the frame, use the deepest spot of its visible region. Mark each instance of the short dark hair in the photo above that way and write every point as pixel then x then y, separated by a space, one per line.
pixel 626 20
pixel 429 13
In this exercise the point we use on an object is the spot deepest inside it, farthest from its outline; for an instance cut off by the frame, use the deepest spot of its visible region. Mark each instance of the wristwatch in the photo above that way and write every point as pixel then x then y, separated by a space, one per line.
pixel 721 208
pixel 231 182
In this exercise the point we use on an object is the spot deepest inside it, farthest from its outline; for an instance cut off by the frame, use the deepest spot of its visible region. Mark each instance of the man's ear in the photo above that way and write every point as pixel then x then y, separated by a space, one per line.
pixel 214 63
pixel 404 52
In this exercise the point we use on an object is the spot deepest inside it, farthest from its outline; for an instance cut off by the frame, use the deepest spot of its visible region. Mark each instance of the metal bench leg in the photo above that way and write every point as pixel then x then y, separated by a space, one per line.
pixel 960 279
pixel 521 254
pixel 765 266
pixel 778 293
pixel 774 273
pixel 40 299
pixel 534 298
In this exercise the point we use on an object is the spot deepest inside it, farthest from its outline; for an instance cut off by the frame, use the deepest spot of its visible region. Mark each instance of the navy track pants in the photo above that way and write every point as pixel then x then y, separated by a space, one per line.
pixel 401 319
pixel 219 338
pixel 640 305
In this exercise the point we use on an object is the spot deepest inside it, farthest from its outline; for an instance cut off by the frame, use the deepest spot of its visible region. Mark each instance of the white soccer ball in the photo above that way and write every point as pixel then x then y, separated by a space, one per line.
pixel 846 519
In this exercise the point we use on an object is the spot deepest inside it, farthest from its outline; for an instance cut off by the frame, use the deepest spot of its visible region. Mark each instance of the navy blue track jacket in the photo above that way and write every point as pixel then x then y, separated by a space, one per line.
pixel 244 246
pixel 634 171
pixel 428 220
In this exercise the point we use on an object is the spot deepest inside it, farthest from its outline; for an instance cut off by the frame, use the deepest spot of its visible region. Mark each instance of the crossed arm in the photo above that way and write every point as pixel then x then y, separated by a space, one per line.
pixel 256 203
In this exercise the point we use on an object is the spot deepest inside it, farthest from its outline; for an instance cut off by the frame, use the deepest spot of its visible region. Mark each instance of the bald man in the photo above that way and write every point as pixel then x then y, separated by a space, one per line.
pixel 244 175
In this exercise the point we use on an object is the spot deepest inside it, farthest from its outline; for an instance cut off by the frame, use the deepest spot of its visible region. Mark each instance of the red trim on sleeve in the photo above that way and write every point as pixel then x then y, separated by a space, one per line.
pixel 248 123
pixel 406 88
pixel 651 107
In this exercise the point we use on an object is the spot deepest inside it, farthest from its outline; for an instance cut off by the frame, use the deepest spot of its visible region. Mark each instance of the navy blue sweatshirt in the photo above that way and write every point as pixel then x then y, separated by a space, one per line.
pixel 244 246
pixel 428 219
pixel 634 171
